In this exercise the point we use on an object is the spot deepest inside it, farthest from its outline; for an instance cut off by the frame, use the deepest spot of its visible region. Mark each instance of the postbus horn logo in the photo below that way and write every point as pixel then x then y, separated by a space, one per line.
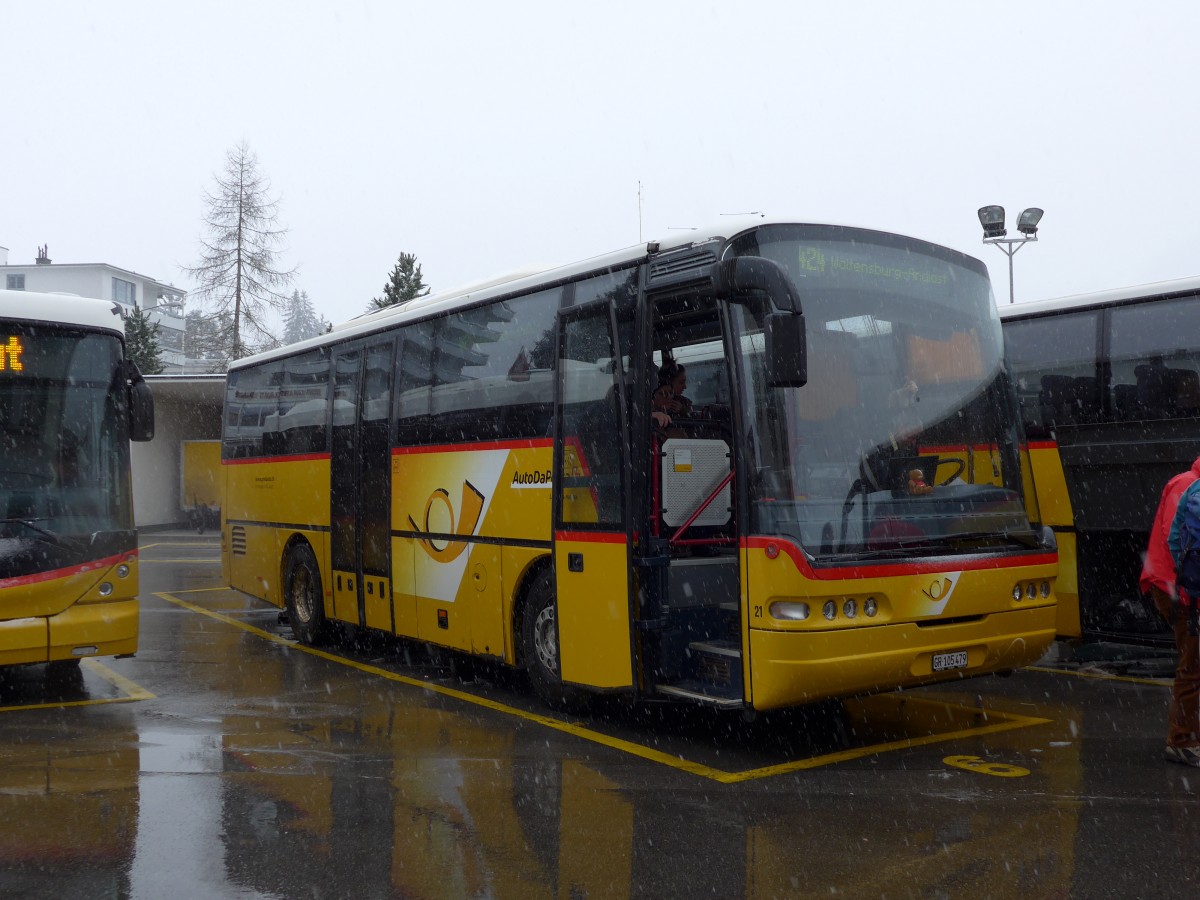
pixel 471 507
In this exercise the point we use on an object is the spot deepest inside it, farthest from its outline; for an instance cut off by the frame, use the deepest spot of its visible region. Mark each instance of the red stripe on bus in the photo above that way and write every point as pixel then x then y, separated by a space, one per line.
pixel 299 457
pixel 526 444
pixel 957 448
pixel 1043 445
pixel 66 572
pixel 886 570
pixel 590 537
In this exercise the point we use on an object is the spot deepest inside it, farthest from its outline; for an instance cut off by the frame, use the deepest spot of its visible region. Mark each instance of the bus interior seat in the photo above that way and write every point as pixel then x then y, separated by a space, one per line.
pixel 1186 391
pixel 832 381
pixel 1057 399
pixel 1070 399
pixel 1125 403
pixel 1086 394
pixel 1154 390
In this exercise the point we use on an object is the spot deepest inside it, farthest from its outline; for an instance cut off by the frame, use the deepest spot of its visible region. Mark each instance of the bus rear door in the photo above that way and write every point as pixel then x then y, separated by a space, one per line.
pixel 591 537
pixel 360 486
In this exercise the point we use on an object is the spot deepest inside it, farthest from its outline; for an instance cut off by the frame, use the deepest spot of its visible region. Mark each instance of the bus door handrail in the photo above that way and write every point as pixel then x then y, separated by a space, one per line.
pixel 674 539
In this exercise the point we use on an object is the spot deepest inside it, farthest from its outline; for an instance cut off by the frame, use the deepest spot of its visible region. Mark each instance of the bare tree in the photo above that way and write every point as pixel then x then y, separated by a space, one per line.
pixel 238 278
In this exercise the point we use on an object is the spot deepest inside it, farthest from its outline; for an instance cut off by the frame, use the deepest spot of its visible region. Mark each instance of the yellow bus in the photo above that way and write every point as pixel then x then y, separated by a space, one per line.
pixel 842 510
pixel 70 402
pixel 1109 385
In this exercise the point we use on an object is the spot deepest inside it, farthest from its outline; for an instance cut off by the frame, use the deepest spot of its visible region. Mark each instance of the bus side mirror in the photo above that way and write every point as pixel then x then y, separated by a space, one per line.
pixel 141 406
pixel 787 350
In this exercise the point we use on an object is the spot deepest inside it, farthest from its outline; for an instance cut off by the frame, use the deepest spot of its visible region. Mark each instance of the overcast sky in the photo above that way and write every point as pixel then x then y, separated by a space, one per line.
pixel 484 137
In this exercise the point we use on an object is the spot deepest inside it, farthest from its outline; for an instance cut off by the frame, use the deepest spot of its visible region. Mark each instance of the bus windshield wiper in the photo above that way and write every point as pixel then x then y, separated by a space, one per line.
pixel 996 538
pixel 903 548
pixel 44 533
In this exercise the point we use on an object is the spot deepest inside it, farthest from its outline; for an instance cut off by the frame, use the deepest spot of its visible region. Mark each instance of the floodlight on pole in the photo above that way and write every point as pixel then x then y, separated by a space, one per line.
pixel 1028 221
pixel 994 232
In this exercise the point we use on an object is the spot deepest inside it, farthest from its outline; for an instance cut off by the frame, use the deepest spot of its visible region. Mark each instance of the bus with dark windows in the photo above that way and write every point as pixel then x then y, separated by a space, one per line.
pixel 70 402
pixel 1109 385
pixel 841 507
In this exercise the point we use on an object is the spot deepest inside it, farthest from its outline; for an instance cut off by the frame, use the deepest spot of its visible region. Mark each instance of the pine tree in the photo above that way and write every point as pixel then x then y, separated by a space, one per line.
pixel 404 283
pixel 141 342
pixel 300 320
pixel 202 339
pixel 238 278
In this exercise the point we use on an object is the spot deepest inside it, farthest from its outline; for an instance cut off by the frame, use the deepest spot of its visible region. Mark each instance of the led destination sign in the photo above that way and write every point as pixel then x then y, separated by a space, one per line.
pixel 11 349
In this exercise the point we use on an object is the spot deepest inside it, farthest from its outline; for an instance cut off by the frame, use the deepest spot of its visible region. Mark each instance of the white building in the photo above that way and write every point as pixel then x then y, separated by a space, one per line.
pixel 162 302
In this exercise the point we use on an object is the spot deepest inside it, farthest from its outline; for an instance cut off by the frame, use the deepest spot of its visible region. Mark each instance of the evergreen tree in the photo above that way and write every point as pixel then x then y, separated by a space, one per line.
pixel 141 342
pixel 202 339
pixel 238 278
pixel 404 283
pixel 300 320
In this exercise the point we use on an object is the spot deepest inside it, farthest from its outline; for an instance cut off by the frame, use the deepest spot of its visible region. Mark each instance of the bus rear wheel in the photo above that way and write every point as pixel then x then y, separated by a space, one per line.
pixel 540 648
pixel 303 597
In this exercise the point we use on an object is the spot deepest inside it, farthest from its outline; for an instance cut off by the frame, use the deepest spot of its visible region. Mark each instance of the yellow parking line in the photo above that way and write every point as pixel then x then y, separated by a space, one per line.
pixel 209 543
pixel 1101 676
pixel 120 682
pixel 998 721
pixel 196 559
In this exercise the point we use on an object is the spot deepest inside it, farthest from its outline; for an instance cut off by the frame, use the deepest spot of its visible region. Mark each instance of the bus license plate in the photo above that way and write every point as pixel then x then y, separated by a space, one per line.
pixel 955 660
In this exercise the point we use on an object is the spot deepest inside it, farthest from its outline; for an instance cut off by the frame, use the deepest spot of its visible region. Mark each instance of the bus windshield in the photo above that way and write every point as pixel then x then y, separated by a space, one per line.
pixel 63 443
pixel 905 438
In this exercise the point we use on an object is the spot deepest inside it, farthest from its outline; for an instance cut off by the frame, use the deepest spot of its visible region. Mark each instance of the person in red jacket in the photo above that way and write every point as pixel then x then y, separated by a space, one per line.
pixel 1158 578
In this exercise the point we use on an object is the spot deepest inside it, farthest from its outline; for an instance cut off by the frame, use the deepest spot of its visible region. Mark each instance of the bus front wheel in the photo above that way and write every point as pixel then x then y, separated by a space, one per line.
pixel 539 645
pixel 303 598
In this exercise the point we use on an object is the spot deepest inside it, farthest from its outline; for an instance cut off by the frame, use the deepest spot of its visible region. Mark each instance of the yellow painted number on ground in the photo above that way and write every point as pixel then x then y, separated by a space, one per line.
pixel 975 764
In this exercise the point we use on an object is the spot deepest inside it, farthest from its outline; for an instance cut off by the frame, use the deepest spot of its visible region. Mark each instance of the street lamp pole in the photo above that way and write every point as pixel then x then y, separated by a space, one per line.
pixel 992 220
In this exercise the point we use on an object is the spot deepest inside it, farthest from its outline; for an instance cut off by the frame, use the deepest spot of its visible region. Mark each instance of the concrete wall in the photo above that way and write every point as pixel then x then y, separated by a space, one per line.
pixel 182 411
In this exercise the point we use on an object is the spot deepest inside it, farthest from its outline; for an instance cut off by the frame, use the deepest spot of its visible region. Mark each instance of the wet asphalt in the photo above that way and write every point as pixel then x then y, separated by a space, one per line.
pixel 225 760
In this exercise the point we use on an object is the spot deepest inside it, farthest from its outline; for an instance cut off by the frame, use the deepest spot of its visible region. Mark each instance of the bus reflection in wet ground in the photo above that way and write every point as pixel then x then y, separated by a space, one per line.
pixel 307 771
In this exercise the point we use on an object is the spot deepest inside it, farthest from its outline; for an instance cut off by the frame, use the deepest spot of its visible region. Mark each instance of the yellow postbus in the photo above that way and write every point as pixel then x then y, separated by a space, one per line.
pixel 840 509
pixel 70 402
pixel 1109 385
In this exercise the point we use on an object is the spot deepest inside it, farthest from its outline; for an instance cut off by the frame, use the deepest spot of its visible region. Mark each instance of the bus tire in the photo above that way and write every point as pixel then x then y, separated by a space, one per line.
pixel 539 646
pixel 303 597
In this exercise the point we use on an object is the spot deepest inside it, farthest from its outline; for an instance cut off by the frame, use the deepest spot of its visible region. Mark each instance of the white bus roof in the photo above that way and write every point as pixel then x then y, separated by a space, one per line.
pixel 432 305
pixel 61 309
pixel 1103 298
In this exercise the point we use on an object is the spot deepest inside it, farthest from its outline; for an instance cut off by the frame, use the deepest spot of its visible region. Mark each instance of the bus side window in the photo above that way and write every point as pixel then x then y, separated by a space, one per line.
pixel 1054 363
pixel 1155 363
pixel 414 375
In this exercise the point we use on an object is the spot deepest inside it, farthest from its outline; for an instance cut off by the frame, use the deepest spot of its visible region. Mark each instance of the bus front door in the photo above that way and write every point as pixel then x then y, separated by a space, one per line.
pixel 360 486
pixel 591 541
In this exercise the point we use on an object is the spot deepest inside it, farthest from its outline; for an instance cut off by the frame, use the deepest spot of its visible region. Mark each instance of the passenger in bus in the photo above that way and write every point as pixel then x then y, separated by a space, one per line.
pixel 668 401
pixel 1158 578
pixel 669 396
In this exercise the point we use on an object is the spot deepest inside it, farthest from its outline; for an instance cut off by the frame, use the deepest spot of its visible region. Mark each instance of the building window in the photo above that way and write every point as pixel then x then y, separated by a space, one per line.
pixel 16 282
pixel 124 292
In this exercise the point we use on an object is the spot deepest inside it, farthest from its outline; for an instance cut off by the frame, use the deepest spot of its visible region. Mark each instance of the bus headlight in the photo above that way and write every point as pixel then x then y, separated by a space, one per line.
pixel 122 571
pixel 1031 591
pixel 1018 593
pixel 1045 590
pixel 105 589
pixel 829 610
pixel 850 608
pixel 789 610
pixel 870 607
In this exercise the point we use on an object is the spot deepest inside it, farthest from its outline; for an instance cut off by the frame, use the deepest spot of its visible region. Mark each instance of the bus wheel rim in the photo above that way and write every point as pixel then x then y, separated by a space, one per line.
pixel 545 639
pixel 302 596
